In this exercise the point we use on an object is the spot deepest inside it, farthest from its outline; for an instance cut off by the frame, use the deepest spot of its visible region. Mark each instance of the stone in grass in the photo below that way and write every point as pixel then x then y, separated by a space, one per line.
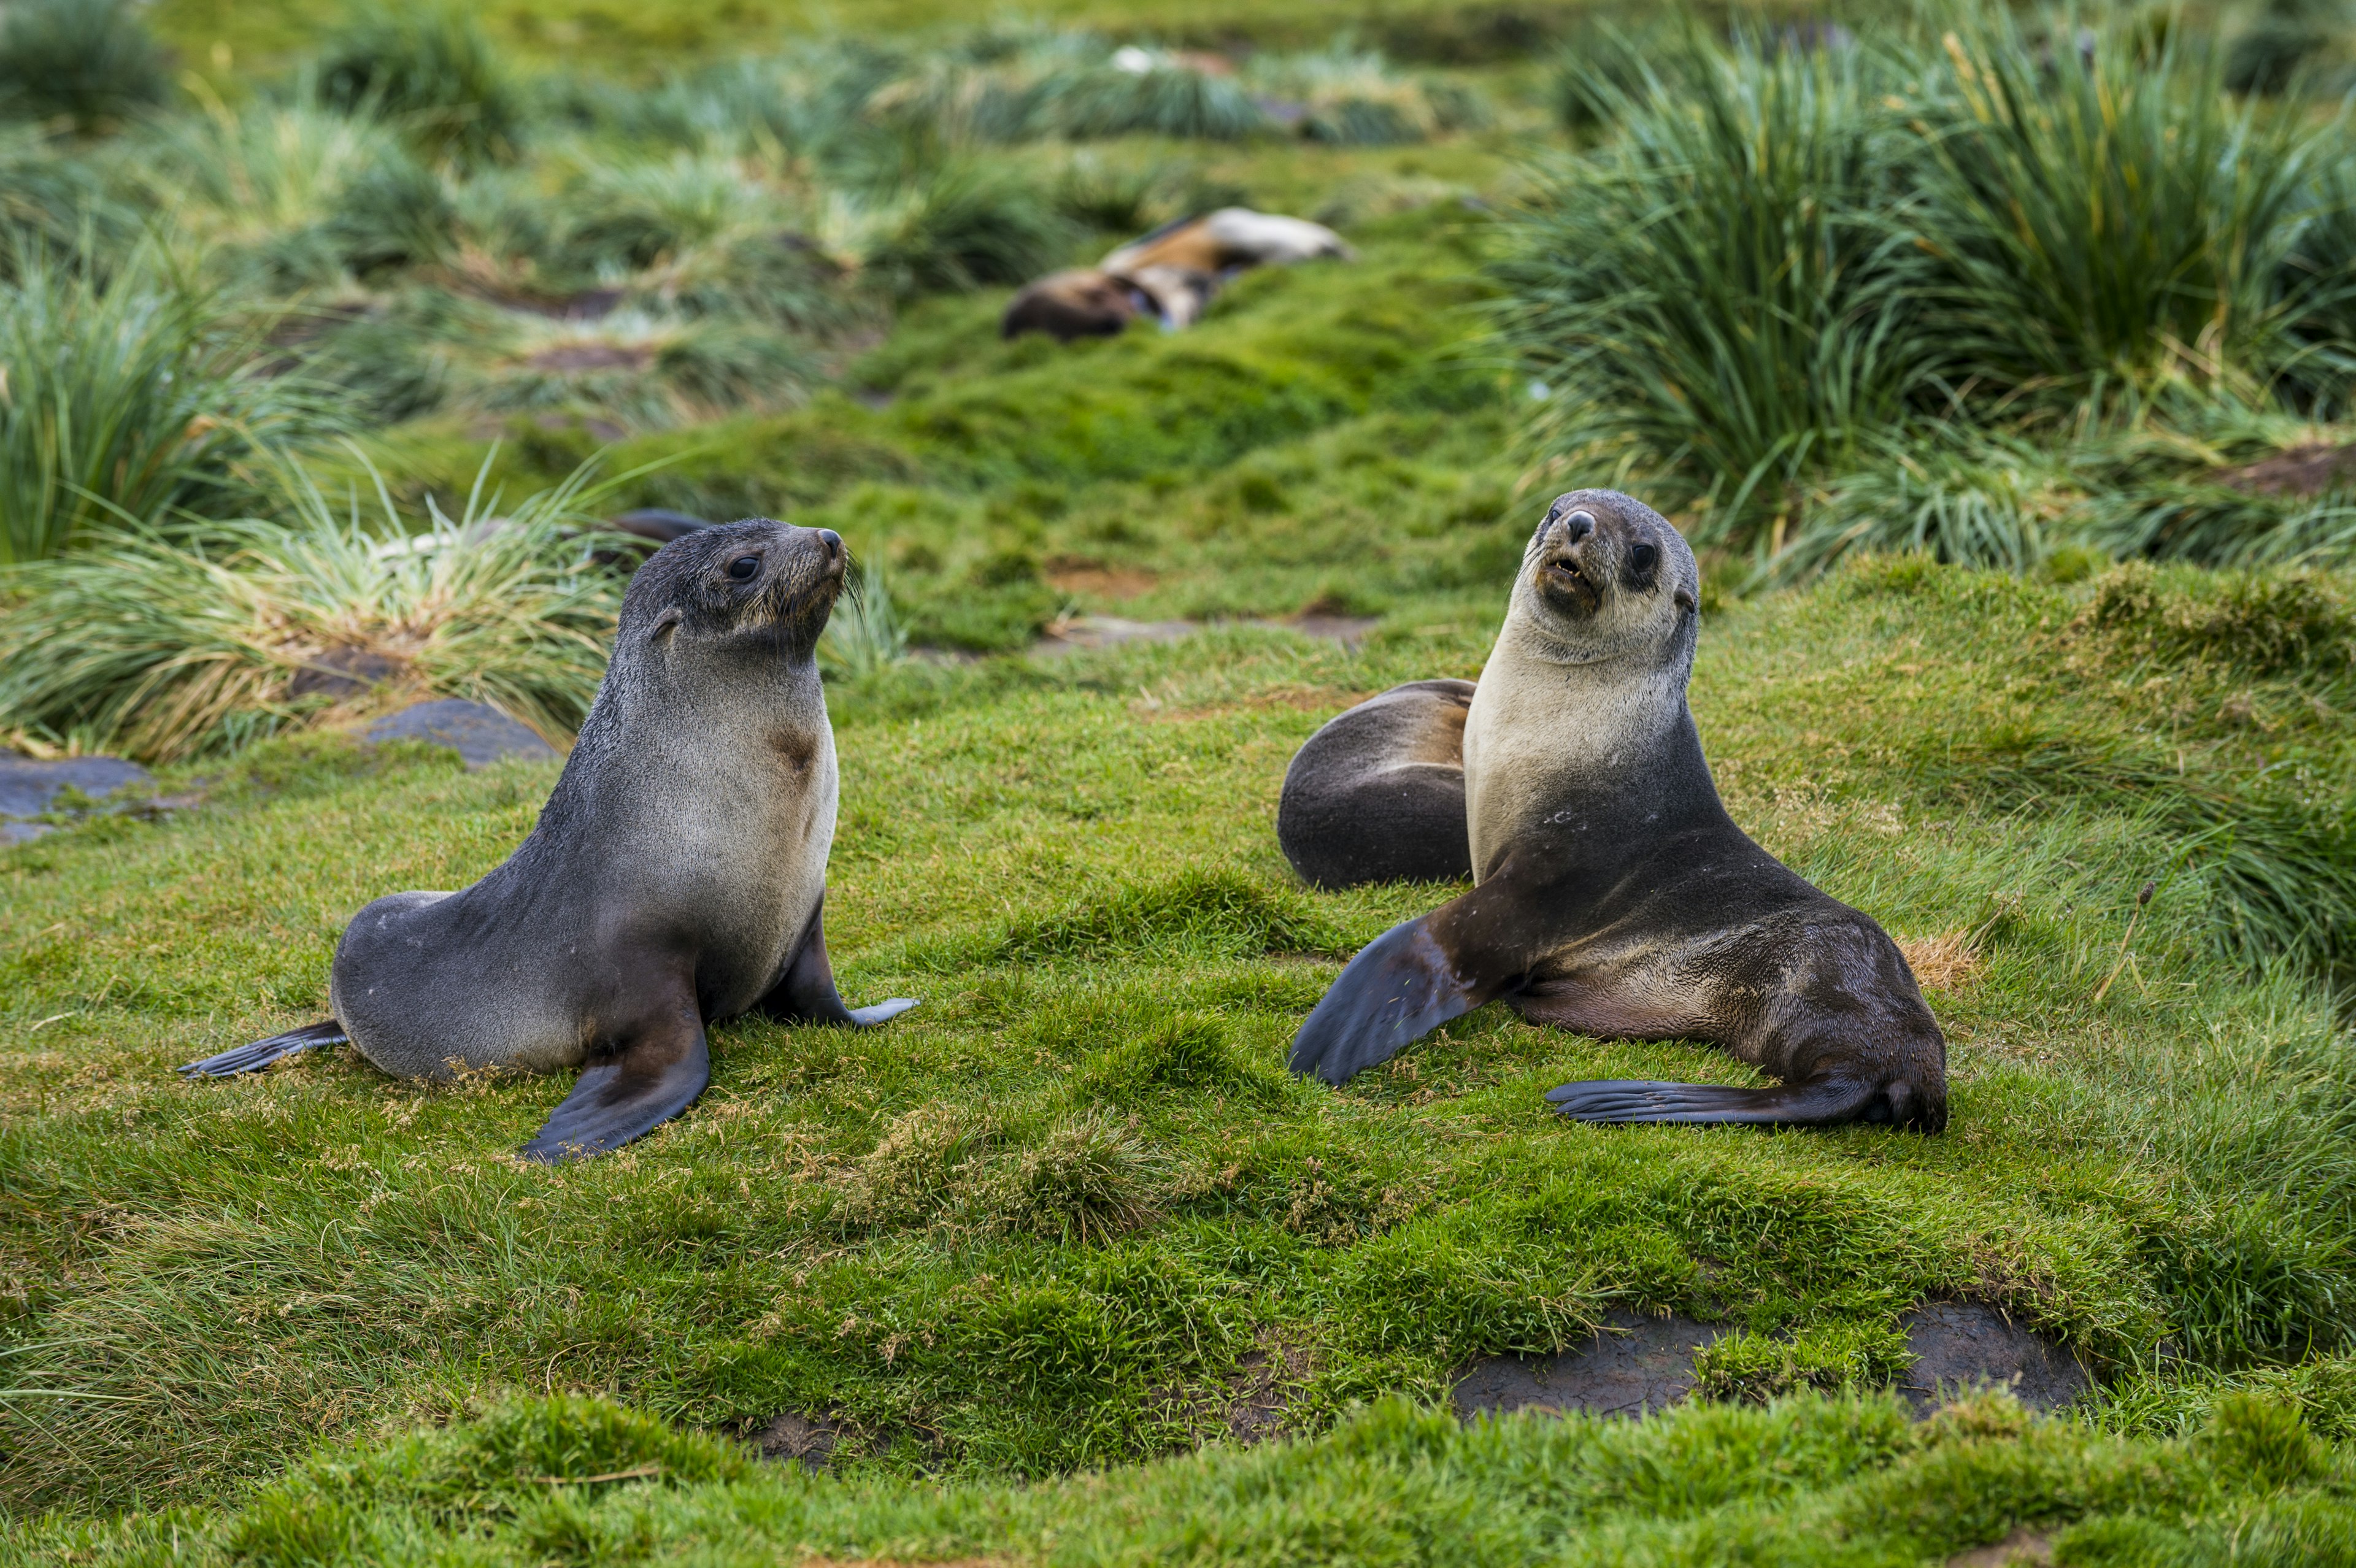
pixel 29 786
pixel 1634 1366
pixel 478 733
pixel 1637 1365
pixel 1956 1344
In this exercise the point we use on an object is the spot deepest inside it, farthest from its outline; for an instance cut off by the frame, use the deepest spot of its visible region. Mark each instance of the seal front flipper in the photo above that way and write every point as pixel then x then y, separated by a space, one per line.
pixel 1397 989
pixel 262 1052
pixel 630 1094
pixel 806 993
pixel 1820 1103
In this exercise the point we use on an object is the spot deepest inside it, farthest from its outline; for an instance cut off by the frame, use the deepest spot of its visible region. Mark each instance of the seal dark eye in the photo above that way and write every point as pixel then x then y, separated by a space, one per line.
pixel 1642 557
pixel 743 567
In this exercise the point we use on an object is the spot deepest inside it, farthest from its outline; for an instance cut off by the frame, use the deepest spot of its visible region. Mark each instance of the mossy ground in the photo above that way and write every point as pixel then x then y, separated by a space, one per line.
pixel 1050 1220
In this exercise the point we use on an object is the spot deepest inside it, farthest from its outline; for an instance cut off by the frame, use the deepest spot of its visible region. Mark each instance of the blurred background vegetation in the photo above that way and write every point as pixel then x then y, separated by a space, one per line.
pixel 2036 290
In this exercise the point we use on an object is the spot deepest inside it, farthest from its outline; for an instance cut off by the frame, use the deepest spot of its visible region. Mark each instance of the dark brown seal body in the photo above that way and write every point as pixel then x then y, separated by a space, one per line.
pixel 675 876
pixel 1377 796
pixel 1613 895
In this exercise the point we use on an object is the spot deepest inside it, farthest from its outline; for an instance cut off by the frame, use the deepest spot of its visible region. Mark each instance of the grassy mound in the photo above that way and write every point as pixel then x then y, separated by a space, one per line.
pixel 1807 1481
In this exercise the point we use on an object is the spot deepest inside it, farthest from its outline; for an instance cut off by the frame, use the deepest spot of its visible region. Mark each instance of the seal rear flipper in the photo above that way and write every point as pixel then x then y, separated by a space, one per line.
pixel 628 1096
pixel 1823 1103
pixel 1397 989
pixel 806 993
pixel 262 1052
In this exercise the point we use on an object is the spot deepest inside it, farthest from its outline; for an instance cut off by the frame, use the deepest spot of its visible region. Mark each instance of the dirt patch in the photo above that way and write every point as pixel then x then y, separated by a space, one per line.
pixel 1069 575
pixel 2024 1548
pixel 1940 963
pixel 1633 1366
pixel 2300 471
pixel 793 1439
pixel 1959 1343
pixel 1267 1381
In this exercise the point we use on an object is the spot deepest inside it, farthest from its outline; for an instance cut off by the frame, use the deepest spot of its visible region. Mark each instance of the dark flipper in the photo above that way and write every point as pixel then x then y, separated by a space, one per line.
pixel 1397 989
pixel 806 993
pixel 262 1052
pixel 1825 1102
pixel 628 1095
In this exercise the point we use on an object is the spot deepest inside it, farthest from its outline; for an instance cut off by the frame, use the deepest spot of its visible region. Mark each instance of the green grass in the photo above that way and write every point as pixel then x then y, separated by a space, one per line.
pixel 1805 1482
pixel 1026 1244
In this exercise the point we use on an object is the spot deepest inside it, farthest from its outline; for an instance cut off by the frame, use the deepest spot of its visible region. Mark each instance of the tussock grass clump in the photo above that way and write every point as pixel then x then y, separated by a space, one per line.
pixel 131 393
pixel 428 68
pixel 2110 231
pixel 1720 295
pixel 1767 290
pixel 917 1169
pixel 1088 1179
pixel 165 649
pixel 90 63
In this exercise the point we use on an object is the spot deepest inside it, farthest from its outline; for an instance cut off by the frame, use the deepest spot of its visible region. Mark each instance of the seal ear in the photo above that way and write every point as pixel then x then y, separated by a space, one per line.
pixel 654 1078
pixel 665 625
pixel 1684 600
pixel 805 993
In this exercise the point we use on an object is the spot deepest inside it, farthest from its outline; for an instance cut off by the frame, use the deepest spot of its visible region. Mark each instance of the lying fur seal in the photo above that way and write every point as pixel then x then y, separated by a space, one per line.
pixel 1171 274
pixel 1612 894
pixel 676 875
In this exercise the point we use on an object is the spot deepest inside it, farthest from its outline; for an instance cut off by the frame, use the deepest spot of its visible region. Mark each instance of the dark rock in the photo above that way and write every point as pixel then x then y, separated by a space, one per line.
pixel 29 786
pixel 794 1438
pixel 480 734
pixel 1633 1366
pixel 1959 1343
pixel 344 672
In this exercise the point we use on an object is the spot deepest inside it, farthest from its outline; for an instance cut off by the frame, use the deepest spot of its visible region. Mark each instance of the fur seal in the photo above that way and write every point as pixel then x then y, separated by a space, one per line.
pixel 675 876
pixel 1377 796
pixel 1170 275
pixel 1612 893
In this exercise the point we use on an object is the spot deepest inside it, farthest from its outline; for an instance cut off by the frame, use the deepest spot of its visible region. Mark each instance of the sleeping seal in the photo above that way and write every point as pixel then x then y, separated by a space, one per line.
pixel 675 876
pixel 1612 894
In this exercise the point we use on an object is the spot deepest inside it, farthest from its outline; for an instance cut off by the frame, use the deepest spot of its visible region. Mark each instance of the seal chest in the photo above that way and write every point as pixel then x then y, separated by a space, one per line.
pixel 676 875
pixel 1613 892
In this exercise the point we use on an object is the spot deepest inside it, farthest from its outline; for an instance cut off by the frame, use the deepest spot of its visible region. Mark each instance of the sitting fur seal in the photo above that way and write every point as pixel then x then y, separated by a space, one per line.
pixel 1612 894
pixel 676 875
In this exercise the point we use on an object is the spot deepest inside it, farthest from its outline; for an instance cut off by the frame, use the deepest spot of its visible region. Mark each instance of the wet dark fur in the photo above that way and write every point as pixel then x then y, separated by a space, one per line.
pixel 1629 904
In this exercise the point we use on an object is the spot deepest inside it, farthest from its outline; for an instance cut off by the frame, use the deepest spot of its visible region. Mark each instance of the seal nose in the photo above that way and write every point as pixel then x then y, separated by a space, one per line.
pixel 1578 525
pixel 833 543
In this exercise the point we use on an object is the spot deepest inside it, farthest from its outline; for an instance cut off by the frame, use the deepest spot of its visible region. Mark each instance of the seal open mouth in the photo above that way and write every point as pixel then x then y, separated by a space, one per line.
pixel 1570 585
